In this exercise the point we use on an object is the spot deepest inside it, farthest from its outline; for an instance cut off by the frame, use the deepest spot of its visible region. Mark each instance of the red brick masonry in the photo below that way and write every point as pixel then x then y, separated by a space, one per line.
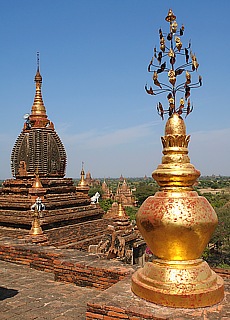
pixel 68 265
pixel 112 279
pixel 118 302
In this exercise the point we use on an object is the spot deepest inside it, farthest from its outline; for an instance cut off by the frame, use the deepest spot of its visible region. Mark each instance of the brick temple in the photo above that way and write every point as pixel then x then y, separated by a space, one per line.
pixel 38 164
pixel 122 195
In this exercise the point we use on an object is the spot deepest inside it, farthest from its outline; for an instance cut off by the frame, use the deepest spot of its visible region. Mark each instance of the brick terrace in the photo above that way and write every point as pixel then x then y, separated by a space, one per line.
pixel 27 294
pixel 69 265
pixel 86 287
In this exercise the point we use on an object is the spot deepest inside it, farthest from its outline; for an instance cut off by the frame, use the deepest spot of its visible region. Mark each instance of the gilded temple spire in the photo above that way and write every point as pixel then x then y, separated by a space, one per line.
pixel 121 211
pixel 82 181
pixel 38 117
pixel 37 182
pixel 83 185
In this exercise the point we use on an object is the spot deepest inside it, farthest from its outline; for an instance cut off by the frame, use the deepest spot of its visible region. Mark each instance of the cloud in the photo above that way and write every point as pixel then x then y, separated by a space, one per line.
pixel 107 138
pixel 215 139
pixel 211 151
pixel 137 150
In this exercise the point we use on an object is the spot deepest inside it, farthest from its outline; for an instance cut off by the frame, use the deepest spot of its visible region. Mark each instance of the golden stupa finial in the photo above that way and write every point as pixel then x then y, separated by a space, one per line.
pixel 176 222
pixel 37 212
pixel 176 66
pixel 38 115
pixel 37 182
pixel 36 226
pixel 121 211
pixel 82 181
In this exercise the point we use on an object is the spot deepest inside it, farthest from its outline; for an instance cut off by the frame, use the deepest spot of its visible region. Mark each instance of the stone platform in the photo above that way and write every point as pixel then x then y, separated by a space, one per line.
pixel 79 285
pixel 27 294
pixel 68 265
pixel 76 236
pixel 119 302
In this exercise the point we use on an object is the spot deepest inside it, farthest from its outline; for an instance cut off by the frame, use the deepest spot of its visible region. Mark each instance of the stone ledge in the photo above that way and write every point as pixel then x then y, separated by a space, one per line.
pixel 68 265
pixel 119 302
pixel 116 301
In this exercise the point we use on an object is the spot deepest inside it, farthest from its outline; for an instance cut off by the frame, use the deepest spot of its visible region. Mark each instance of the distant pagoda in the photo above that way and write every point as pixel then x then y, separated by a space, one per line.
pixel 38 163
pixel 124 194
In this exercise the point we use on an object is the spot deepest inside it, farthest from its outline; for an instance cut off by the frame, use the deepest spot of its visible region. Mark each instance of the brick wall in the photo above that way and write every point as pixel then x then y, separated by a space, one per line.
pixel 68 265
pixel 78 234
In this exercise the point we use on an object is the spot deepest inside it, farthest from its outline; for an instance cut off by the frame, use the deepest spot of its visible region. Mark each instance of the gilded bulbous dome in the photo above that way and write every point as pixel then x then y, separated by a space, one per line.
pixel 38 147
pixel 175 125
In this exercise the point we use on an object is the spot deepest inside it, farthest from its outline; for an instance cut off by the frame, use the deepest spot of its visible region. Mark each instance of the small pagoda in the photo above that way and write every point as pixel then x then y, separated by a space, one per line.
pixel 107 192
pixel 38 164
pixel 122 239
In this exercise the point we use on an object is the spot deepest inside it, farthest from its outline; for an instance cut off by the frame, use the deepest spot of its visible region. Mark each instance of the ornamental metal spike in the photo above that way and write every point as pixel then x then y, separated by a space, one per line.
pixel 172 51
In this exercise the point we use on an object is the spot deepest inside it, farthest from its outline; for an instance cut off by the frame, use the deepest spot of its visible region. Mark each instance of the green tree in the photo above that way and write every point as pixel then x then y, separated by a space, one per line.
pixel 95 189
pixel 217 200
pixel 218 254
pixel 222 232
pixel 144 190
pixel 105 204
pixel 131 212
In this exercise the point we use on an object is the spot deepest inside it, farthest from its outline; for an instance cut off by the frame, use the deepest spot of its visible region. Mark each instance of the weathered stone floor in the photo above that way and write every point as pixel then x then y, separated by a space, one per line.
pixel 27 294
pixel 118 302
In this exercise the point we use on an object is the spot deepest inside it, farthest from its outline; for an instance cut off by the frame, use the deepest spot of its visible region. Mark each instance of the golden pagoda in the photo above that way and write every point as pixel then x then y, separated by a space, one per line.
pixel 176 222
pixel 82 180
pixel 36 189
pixel 118 214
pixel 82 185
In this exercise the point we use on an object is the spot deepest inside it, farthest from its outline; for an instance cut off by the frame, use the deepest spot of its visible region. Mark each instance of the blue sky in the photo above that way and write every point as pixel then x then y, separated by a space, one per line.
pixel 93 59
